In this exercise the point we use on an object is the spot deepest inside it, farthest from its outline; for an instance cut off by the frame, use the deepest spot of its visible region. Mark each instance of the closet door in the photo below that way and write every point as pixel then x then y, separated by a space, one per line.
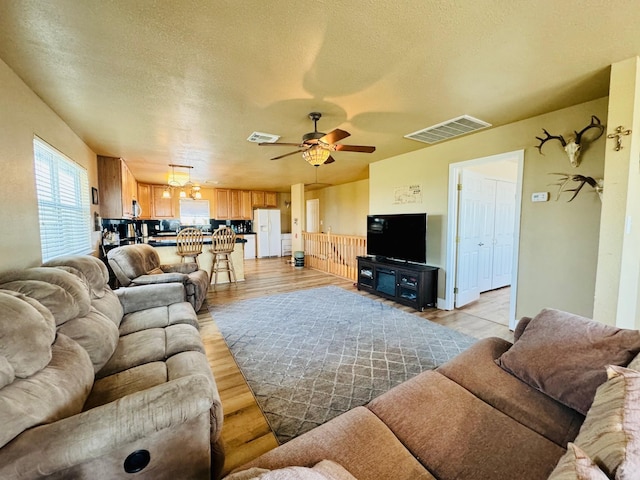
pixel 503 234
pixel 487 237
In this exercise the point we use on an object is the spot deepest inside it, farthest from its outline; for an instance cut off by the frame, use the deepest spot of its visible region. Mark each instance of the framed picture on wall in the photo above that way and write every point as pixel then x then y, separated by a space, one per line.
pixel 94 195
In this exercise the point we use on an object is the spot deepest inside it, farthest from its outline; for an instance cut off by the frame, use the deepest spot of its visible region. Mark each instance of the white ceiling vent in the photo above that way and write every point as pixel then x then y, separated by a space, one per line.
pixel 449 129
pixel 259 137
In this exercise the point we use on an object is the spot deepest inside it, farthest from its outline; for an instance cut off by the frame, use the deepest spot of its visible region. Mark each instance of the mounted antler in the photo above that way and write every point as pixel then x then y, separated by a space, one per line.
pixel 565 178
pixel 574 146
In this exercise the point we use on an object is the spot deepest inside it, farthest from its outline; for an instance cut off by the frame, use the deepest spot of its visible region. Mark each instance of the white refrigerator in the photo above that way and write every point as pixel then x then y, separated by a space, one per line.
pixel 266 223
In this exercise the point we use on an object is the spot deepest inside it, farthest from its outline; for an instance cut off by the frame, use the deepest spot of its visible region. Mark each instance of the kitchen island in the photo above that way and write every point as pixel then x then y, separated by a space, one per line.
pixel 166 248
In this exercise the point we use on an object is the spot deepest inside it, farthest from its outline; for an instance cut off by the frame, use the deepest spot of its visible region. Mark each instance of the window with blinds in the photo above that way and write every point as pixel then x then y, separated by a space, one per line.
pixel 62 187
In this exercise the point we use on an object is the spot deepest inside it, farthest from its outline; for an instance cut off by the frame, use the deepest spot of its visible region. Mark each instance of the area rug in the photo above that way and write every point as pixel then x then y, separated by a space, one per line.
pixel 311 355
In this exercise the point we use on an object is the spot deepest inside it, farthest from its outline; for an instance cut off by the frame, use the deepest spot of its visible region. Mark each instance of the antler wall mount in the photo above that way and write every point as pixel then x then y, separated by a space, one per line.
pixel 574 146
pixel 581 180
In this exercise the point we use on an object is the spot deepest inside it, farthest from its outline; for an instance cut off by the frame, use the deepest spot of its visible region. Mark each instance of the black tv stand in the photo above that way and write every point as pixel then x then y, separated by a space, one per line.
pixel 412 284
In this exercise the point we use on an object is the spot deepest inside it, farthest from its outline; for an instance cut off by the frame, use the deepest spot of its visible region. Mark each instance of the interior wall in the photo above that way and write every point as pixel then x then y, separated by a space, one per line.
pixel 558 240
pixel 23 116
pixel 343 208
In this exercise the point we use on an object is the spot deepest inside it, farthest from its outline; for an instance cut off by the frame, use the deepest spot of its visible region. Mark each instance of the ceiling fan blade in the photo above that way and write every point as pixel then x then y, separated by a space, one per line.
pixel 287 154
pixel 329 160
pixel 355 148
pixel 266 144
pixel 334 136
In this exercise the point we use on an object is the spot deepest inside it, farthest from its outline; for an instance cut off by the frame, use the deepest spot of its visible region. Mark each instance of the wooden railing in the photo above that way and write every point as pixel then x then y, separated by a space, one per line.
pixel 333 253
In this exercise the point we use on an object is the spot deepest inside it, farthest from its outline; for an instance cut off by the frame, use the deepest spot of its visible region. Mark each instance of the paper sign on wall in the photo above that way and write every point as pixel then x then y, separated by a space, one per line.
pixel 407 194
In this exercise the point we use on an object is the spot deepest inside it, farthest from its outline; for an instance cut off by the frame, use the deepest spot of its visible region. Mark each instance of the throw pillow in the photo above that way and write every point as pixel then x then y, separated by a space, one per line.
pixel 565 355
pixel 611 432
pixel 324 470
pixel 576 465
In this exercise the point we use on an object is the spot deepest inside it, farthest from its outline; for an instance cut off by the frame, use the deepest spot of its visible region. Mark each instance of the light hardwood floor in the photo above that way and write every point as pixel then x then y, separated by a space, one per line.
pixel 246 433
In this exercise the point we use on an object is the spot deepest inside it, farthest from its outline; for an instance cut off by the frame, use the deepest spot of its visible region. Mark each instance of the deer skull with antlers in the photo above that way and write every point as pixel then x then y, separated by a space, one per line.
pixel 573 147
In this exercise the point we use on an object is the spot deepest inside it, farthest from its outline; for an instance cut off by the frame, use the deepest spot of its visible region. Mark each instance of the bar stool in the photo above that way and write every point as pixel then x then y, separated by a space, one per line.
pixel 223 241
pixel 189 244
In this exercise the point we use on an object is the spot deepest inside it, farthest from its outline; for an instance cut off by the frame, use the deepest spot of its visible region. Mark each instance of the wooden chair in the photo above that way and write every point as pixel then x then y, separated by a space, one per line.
pixel 189 244
pixel 223 241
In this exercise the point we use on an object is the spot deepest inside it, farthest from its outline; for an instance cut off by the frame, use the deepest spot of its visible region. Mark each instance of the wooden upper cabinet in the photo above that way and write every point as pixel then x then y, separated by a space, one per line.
pixel 144 200
pixel 246 206
pixel 270 199
pixel 264 199
pixel 161 207
pixel 257 199
pixel 235 205
pixel 223 200
pixel 118 188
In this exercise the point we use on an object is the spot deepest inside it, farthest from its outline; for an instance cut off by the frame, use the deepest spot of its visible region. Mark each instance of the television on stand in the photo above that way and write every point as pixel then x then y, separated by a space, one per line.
pixel 400 237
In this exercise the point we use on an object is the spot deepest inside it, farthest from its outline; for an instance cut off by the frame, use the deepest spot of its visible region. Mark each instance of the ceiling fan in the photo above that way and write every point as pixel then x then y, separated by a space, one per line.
pixel 316 147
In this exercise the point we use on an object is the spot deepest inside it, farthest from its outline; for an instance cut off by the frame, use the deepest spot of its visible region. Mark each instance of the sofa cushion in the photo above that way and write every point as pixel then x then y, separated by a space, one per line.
pixel 325 470
pixel 27 331
pixel 610 434
pixel 509 394
pixel 152 345
pixel 565 355
pixel 96 334
pixel 109 305
pixel 57 391
pixel 456 435
pixel 357 439
pixel 131 261
pixel 576 465
pixel 92 268
pixel 61 292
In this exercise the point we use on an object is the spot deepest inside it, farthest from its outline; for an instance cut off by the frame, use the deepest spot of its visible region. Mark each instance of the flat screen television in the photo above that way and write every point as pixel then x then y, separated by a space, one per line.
pixel 398 237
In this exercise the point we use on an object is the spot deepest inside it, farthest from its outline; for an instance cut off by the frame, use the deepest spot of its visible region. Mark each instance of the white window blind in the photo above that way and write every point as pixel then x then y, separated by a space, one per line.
pixel 194 212
pixel 62 187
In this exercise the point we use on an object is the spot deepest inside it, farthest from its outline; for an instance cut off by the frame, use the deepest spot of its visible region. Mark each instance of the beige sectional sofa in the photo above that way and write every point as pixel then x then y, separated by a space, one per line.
pixel 497 411
pixel 102 384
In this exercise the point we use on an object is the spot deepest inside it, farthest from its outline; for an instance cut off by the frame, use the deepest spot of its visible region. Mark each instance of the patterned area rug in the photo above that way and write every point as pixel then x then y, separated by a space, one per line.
pixel 311 355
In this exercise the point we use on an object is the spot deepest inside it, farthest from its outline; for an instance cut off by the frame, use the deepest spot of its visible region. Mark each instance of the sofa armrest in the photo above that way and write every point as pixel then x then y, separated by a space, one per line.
pixel 160 278
pixel 134 299
pixel 185 268
pixel 97 432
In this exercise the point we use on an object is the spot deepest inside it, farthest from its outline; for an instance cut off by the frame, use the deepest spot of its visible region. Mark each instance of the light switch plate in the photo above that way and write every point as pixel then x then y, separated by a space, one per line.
pixel 540 197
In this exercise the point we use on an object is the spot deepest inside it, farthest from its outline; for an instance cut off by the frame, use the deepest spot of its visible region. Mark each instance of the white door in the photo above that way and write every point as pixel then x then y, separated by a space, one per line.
pixel 470 222
pixel 487 213
pixel 313 216
pixel 503 234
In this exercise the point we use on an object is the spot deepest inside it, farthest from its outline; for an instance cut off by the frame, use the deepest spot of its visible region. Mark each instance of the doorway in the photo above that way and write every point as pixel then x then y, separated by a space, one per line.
pixel 480 256
pixel 313 216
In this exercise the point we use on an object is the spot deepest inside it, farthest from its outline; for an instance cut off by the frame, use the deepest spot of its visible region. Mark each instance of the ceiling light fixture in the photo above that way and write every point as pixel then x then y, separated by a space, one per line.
pixel 174 182
pixel 316 155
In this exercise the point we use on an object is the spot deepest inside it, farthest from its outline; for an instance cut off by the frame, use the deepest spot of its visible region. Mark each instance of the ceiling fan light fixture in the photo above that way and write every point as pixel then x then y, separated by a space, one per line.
pixel 316 155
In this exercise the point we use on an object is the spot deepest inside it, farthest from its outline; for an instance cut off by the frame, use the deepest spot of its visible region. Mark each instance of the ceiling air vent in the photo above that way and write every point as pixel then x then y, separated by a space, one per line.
pixel 449 129
pixel 259 137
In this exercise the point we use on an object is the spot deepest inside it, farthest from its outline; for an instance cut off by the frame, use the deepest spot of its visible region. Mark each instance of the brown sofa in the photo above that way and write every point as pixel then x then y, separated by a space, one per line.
pixel 102 384
pixel 139 264
pixel 474 417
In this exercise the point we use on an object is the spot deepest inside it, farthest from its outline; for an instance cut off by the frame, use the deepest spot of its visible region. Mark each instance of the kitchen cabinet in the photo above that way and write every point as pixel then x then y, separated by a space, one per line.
pixel 223 200
pixel 270 199
pixel 144 201
pixel 264 199
pixel 245 205
pixel 233 204
pixel 118 188
pixel 161 207
pixel 257 199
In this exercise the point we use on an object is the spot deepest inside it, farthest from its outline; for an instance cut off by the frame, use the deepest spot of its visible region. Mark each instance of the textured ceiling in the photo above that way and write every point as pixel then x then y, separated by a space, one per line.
pixel 186 82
